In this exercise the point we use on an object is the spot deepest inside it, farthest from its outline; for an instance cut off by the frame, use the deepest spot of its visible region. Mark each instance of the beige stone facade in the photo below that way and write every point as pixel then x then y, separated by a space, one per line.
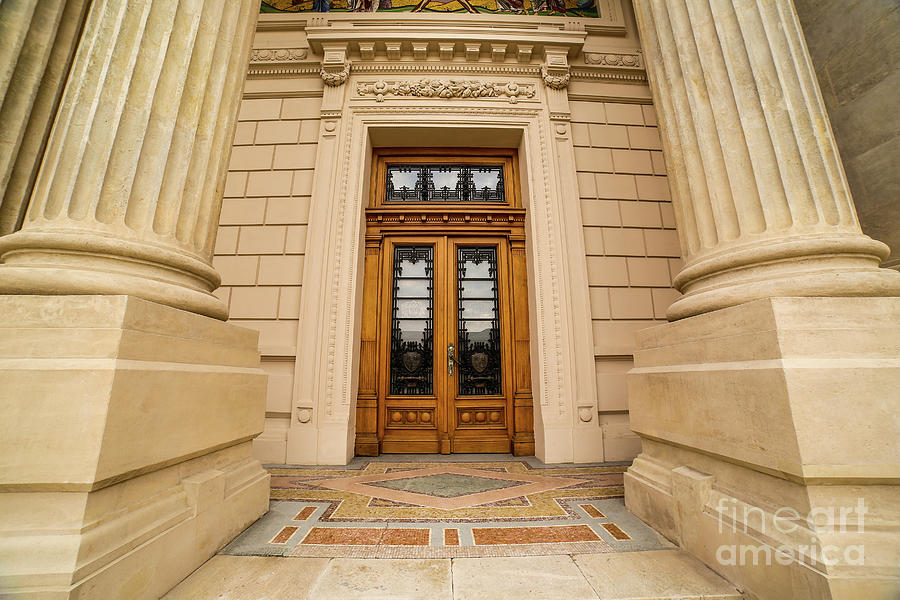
pixel 167 166
pixel 605 122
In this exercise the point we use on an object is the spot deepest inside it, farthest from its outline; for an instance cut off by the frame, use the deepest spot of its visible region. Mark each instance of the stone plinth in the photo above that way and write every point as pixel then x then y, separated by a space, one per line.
pixel 757 413
pixel 126 444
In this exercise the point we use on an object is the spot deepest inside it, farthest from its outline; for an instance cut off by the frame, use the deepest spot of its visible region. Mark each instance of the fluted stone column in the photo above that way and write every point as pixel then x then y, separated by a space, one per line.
pixel 41 38
pixel 128 195
pixel 776 396
pixel 126 412
pixel 762 203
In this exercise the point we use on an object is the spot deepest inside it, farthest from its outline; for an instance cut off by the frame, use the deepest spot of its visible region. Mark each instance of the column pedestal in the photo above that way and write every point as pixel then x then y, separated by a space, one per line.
pixel 754 418
pixel 126 444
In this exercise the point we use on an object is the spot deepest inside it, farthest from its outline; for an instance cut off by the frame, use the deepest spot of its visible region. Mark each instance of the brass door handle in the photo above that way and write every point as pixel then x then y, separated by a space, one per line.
pixel 450 359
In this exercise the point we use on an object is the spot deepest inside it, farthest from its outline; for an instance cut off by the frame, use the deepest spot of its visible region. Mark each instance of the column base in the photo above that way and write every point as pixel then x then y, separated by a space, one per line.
pixel 126 444
pixel 88 263
pixel 756 417
pixel 812 265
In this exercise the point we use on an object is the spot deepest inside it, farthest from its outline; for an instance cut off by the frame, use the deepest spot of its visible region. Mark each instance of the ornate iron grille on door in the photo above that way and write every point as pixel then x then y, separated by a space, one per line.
pixel 444 183
pixel 479 321
pixel 412 324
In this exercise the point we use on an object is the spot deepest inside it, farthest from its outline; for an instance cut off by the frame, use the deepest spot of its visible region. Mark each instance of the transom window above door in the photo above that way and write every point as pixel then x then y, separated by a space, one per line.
pixel 444 183
pixel 405 178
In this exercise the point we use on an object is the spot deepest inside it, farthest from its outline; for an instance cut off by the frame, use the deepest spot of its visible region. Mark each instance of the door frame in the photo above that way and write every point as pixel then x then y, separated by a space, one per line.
pixel 327 366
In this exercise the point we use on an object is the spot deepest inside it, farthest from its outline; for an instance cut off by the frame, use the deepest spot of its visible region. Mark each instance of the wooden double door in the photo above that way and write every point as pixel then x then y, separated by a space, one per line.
pixel 444 352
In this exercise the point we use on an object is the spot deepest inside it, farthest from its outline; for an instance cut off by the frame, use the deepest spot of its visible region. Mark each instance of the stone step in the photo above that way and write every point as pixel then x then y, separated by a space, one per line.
pixel 651 575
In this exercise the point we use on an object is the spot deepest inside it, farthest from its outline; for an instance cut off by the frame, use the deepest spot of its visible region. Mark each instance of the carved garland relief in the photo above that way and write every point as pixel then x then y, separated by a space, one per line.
pixel 446 88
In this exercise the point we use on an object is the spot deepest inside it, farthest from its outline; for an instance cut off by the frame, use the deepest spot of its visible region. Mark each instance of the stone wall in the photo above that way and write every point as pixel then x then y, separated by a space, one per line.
pixel 262 240
pixel 631 245
pixel 855 49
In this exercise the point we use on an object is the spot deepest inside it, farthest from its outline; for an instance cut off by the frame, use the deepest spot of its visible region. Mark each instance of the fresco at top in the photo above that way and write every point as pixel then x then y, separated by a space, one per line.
pixel 561 8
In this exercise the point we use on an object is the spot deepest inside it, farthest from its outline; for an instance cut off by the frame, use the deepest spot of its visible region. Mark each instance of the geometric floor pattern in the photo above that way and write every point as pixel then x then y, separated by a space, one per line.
pixel 412 507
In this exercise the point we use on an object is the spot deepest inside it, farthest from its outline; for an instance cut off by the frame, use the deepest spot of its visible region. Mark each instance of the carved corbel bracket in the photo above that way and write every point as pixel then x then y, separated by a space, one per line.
pixel 335 66
pixel 335 76
pixel 554 79
pixel 555 70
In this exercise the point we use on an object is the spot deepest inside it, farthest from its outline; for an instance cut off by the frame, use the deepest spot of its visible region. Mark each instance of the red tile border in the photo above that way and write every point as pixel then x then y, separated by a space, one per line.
pixel 533 535
pixel 406 537
pixel 284 535
pixel 304 514
pixel 348 536
pixel 615 531
pixel 451 537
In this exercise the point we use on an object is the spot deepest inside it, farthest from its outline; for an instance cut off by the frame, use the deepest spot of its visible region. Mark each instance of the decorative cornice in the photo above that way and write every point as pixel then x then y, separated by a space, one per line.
pixel 334 77
pixel 454 67
pixel 593 74
pixel 629 60
pixel 446 88
pixel 498 218
pixel 280 62
pixel 269 55
pixel 558 81
pixel 274 71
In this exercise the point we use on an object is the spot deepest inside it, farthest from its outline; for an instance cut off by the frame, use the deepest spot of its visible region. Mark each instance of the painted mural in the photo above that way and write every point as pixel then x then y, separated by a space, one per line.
pixel 562 8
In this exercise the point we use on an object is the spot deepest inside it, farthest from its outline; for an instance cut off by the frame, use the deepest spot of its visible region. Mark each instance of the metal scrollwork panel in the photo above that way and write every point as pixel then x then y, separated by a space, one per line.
pixel 479 322
pixel 412 322
pixel 444 183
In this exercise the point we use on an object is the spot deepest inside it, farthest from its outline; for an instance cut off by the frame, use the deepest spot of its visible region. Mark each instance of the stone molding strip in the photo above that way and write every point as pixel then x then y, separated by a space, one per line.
pixel 446 88
pixel 623 67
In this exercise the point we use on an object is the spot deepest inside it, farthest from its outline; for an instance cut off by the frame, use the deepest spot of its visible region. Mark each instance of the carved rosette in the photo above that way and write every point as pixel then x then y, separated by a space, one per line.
pixel 447 88
pixel 335 77
pixel 557 80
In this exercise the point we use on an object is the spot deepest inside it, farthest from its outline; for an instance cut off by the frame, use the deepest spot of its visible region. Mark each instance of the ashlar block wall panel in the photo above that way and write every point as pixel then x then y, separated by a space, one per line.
pixel 262 241
pixel 631 245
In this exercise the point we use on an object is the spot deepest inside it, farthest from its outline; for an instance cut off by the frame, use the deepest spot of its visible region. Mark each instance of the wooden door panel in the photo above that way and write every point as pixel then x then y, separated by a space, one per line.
pixel 410 378
pixel 478 324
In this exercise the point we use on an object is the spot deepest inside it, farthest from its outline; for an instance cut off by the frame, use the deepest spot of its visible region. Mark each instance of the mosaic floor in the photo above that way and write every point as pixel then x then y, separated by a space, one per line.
pixel 414 509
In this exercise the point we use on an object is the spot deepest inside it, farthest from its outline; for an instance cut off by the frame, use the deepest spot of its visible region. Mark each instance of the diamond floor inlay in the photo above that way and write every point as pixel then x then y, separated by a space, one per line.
pixel 446 485
pixel 421 508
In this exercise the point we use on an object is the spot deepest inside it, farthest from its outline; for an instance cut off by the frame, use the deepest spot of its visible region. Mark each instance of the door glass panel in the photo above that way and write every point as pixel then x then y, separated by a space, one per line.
pixel 444 183
pixel 412 321
pixel 413 288
pixel 477 309
pixel 479 322
pixel 483 290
